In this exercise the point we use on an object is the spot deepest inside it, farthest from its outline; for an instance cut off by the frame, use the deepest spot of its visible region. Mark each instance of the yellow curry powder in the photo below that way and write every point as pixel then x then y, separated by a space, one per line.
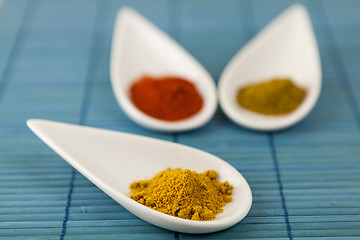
pixel 184 194
pixel 275 97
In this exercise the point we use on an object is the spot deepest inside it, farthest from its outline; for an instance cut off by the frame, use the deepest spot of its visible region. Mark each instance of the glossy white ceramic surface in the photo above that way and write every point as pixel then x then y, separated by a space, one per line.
pixel 140 48
pixel 112 160
pixel 285 48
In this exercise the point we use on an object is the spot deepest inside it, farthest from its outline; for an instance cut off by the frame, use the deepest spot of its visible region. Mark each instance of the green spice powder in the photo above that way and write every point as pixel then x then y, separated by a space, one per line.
pixel 275 97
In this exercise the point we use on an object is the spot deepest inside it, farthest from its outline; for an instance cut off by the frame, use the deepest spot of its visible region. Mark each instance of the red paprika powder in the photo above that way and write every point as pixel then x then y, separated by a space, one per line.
pixel 167 98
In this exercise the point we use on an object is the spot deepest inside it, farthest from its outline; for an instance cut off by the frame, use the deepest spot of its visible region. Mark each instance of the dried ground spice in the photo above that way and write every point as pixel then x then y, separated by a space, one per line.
pixel 184 194
pixel 275 97
pixel 166 98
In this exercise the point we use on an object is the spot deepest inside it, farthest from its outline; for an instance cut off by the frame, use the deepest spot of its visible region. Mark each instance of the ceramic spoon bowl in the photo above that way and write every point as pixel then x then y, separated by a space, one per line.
pixel 140 48
pixel 113 160
pixel 285 48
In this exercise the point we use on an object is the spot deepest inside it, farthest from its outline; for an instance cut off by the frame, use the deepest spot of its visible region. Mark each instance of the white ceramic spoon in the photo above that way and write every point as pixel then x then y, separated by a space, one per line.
pixel 140 48
pixel 112 160
pixel 285 48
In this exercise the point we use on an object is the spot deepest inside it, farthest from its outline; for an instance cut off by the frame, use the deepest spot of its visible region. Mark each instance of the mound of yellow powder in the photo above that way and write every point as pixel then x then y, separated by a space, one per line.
pixel 184 193
pixel 275 97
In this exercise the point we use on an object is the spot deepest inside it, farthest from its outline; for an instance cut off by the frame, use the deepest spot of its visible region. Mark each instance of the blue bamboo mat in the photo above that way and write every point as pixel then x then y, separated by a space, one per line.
pixel 54 64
